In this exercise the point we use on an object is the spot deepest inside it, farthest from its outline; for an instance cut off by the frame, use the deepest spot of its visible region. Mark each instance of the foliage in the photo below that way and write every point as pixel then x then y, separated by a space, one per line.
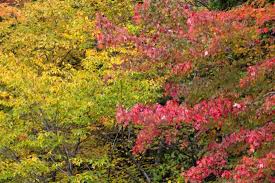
pixel 58 92
pixel 223 5
pixel 209 100
pixel 137 91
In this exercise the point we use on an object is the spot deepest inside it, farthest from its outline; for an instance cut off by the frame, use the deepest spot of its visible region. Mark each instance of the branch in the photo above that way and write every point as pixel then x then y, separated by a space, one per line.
pixel 70 166
pixel 76 147
pixel 111 153
pixel 203 4
pixel 269 93
pixel 14 156
pixel 148 180
pixel 57 166
pixel 159 151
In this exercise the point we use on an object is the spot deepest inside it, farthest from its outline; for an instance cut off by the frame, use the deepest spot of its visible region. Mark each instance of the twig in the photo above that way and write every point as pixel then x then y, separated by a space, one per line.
pixel 70 166
pixel 203 4
pixel 148 180
pixel 57 166
pixel 76 147
pixel 111 153
pixel 269 93
pixel 13 154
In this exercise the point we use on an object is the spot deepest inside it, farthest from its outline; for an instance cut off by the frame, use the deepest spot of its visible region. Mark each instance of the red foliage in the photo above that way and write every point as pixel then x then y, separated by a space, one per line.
pixel 181 40
pixel 254 138
pixel 253 72
pixel 269 104
pixel 173 114
pixel 211 164
pixel 182 69
pixel 173 90
pixel 206 31
pixel 216 161
pixel 254 169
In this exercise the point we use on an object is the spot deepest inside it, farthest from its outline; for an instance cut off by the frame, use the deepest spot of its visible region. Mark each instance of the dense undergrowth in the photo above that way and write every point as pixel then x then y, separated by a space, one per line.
pixel 137 91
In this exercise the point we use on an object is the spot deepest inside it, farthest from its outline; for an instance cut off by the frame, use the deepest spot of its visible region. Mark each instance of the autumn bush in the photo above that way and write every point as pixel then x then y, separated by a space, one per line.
pixel 137 91
pixel 58 92
pixel 212 122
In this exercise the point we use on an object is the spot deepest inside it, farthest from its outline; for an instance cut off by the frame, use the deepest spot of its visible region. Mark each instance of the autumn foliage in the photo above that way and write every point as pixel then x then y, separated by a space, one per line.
pixel 187 45
pixel 137 91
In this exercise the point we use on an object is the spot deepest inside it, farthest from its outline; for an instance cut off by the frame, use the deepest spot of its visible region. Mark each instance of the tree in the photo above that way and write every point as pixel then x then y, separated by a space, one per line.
pixel 213 120
pixel 58 92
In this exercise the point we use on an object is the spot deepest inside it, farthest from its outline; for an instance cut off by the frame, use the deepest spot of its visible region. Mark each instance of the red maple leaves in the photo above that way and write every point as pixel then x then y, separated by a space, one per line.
pixel 151 118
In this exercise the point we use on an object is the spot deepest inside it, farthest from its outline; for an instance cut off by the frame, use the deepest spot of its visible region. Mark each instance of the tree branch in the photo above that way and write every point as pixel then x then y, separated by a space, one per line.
pixel 147 178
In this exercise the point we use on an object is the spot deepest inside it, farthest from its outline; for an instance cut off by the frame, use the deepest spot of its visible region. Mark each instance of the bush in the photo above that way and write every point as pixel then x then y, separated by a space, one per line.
pixel 215 117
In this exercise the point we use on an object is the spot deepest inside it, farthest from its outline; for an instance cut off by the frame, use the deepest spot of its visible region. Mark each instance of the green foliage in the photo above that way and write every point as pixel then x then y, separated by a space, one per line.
pixel 225 4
